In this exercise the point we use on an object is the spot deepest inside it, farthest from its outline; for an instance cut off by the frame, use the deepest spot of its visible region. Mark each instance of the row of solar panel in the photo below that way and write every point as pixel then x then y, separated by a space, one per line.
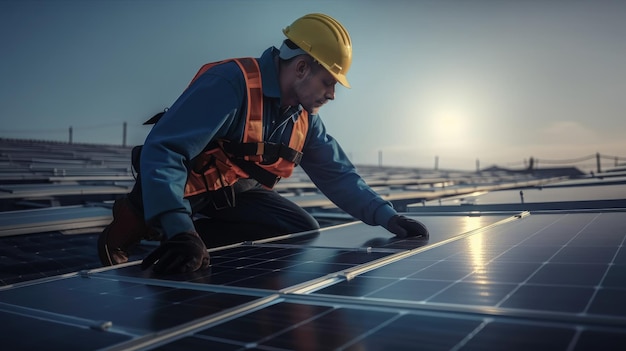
pixel 508 281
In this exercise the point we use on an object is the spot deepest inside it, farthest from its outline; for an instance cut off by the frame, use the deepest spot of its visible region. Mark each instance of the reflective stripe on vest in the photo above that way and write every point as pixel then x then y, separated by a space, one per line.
pixel 215 168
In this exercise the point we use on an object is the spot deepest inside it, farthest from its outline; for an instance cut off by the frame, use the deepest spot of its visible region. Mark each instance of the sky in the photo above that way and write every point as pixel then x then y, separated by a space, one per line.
pixel 446 82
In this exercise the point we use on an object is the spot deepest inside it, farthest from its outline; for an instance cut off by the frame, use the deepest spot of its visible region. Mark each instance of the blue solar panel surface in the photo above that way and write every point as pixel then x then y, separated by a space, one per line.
pixel 564 262
pixel 270 268
pixel 533 281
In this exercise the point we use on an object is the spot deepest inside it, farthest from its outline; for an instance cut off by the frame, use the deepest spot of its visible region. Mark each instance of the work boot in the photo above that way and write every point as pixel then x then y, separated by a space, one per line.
pixel 126 231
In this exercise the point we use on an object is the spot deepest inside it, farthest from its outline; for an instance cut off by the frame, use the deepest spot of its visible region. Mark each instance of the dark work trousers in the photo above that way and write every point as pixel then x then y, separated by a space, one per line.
pixel 257 213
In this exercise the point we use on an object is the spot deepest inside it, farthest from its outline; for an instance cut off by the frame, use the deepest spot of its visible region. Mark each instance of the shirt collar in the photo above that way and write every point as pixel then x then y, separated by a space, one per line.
pixel 269 73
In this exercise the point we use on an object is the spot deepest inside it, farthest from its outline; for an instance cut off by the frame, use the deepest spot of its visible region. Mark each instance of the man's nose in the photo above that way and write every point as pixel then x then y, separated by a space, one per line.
pixel 330 93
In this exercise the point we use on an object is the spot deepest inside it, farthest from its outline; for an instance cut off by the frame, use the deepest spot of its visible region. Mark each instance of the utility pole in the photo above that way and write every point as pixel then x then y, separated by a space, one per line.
pixel 380 158
pixel 71 132
pixel 436 163
pixel 598 162
pixel 124 135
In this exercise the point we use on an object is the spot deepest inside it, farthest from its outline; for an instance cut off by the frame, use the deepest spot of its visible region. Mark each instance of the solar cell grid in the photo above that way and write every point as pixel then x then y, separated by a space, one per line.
pixel 35 256
pixel 21 332
pixel 359 234
pixel 266 267
pixel 540 282
pixel 196 343
pixel 541 263
pixel 317 325
pixel 135 307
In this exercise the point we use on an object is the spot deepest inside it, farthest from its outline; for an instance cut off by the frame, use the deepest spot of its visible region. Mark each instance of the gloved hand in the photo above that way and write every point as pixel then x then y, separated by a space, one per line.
pixel 403 226
pixel 184 252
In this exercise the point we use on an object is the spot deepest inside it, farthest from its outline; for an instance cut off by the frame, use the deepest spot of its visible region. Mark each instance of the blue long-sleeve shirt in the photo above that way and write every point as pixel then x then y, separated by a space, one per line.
pixel 214 107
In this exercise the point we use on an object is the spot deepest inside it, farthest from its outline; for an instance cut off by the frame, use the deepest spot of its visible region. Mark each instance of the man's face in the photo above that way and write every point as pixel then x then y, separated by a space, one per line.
pixel 315 88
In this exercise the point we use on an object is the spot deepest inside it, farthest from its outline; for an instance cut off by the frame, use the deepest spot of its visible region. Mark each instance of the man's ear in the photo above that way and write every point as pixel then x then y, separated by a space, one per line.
pixel 302 67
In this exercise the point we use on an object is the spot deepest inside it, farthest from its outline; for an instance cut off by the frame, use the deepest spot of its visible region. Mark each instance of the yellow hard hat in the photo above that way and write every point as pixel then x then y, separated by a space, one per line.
pixel 326 40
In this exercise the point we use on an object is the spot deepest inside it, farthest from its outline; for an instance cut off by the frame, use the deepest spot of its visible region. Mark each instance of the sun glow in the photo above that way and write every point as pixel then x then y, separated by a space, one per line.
pixel 449 127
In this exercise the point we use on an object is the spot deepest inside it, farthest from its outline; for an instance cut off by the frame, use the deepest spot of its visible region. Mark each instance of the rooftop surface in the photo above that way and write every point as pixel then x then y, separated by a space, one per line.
pixel 516 260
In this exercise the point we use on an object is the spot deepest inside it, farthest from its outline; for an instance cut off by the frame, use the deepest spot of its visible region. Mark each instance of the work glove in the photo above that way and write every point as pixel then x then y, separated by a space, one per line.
pixel 182 253
pixel 403 227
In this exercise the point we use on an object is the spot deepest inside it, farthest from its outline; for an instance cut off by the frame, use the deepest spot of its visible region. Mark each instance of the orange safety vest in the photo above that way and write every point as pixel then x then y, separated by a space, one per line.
pixel 226 163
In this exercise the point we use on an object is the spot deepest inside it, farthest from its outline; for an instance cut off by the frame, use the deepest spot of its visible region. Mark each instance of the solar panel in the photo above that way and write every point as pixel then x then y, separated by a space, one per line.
pixel 266 267
pixel 25 191
pixel 595 195
pixel 133 308
pixel 358 234
pixel 319 325
pixel 21 332
pixel 538 281
pixel 53 219
pixel 563 267
pixel 489 277
pixel 493 289
pixel 35 256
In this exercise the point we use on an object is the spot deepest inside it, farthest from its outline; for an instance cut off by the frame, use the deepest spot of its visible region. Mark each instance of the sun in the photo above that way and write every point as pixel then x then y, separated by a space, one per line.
pixel 449 127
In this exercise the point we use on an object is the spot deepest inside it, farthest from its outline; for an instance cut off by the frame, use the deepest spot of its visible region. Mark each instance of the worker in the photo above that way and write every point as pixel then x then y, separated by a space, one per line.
pixel 207 168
